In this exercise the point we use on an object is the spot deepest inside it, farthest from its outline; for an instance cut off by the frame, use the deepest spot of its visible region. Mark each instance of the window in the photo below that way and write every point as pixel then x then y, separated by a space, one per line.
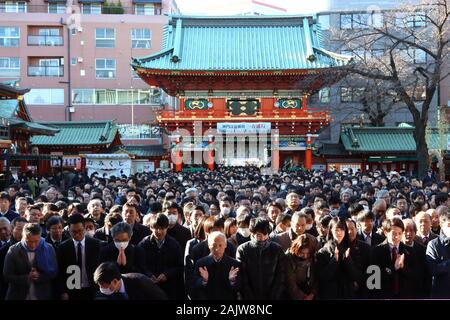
pixel 349 94
pixel 105 68
pixel 91 8
pixel 119 96
pixel 73 61
pixel 346 21
pixel 59 7
pixel 83 96
pixel 51 67
pixel 140 38
pixel 105 38
pixel 10 6
pixel 145 9
pixel 105 96
pixel 361 21
pixel 324 95
pixel 324 21
pixel 420 56
pixel 405 20
pixel 44 96
pixel 9 36
pixel 9 67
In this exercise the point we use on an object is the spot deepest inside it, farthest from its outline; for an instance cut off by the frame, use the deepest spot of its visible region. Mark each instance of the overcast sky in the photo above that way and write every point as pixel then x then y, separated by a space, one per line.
pixel 224 7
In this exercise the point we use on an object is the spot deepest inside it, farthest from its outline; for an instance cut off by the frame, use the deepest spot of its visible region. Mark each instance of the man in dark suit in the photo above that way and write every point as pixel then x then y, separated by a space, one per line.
pixel 397 264
pixel 216 276
pixel 5 211
pixel 176 230
pixel 164 258
pixel 367 232
pixel 130 286
pixel 298 227
pixel 17 227
pixel 129 258
pixel 422 286
pixel 56 234
pixel 80 251
pixel 130 214
pixel 424 233
pixel 104 233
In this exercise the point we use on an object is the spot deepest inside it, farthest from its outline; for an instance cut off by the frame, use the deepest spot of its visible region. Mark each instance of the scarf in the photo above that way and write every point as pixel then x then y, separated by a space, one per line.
pixel 45 260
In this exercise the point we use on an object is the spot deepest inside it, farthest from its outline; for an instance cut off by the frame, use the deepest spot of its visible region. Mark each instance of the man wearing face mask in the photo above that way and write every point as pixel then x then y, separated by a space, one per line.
pixel 176 230
pixel 243 232
pixel 130 258
pixel 131 286
pixel 262 264
pixel 438 259
pixel 226 208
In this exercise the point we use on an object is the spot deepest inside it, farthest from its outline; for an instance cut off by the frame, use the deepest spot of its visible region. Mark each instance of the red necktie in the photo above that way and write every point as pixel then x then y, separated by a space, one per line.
pixel 396 282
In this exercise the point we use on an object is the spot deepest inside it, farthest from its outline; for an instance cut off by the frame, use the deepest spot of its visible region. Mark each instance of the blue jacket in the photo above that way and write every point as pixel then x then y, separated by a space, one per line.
pixel 438 261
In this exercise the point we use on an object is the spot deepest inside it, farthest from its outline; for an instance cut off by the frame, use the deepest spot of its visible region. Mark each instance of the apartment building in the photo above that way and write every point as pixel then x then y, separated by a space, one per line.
pixel 75 57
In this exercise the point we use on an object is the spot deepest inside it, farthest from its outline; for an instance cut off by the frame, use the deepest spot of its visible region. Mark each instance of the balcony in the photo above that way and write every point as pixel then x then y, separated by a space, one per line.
pixel 45 71
pixel 51 41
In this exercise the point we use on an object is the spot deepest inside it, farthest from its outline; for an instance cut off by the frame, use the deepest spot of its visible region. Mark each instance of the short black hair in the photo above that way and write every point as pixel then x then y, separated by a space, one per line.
pixel 159 220
pixel 53 221
pixel 260 225
pixel 17 220
pixel 365 215
pixel 5 195
pixel 75 219
pixel 106 272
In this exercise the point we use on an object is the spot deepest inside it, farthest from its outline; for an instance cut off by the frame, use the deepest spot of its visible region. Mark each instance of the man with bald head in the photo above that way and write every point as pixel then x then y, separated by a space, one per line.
pixel 379 210
pixel 423 222
pixel 216 276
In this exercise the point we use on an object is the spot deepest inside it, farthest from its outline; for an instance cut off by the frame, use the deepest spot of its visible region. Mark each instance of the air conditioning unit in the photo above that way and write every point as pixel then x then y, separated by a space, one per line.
pixel 81 43
pixel 71 109
pixel 110 74
pixel 80 29
pixel 61 61
pixel 80 59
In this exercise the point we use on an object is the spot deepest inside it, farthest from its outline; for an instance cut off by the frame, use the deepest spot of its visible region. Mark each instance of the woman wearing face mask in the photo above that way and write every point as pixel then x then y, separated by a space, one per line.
pixel 337 273
pixel 129 258
pixel 300 268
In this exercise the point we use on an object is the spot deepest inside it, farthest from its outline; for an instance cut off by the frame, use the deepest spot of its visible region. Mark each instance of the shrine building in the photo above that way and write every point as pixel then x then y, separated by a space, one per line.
pixel 242 86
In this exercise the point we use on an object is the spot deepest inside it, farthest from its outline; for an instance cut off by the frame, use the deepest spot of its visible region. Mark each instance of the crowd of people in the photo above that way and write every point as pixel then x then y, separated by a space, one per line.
pixel 235 233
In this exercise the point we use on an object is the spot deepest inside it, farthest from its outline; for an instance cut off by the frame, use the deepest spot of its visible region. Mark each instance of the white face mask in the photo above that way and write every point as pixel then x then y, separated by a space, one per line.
pixel 106 291
pixel 90 233
pixel 172 219
pixel 225 211
pixel 309 226
pixel 121 245
pixel 245 232
pixel 446 231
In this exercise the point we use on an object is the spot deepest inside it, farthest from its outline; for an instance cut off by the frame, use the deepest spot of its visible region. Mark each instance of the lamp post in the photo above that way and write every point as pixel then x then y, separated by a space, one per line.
pixel 132 107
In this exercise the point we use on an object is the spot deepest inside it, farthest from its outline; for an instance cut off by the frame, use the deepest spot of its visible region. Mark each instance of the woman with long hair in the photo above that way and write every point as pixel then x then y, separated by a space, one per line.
pixel 338 275
pixel 301 269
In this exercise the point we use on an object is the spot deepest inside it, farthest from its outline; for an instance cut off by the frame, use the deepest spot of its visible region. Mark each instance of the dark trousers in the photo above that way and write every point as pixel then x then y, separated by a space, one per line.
pixel 82 294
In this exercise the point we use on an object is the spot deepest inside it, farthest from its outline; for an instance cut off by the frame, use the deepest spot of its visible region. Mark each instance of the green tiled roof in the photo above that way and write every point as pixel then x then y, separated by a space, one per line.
pixel 79 133
pixel 241 43
pixel 142 150
pixel 8 111
pixel 384 139
pixel 9 90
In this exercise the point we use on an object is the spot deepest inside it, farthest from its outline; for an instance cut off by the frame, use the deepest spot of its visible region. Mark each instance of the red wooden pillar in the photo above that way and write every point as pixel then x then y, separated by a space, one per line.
pixel 275 143
pixel 177 156
pixel 210 154
pixel 308 152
